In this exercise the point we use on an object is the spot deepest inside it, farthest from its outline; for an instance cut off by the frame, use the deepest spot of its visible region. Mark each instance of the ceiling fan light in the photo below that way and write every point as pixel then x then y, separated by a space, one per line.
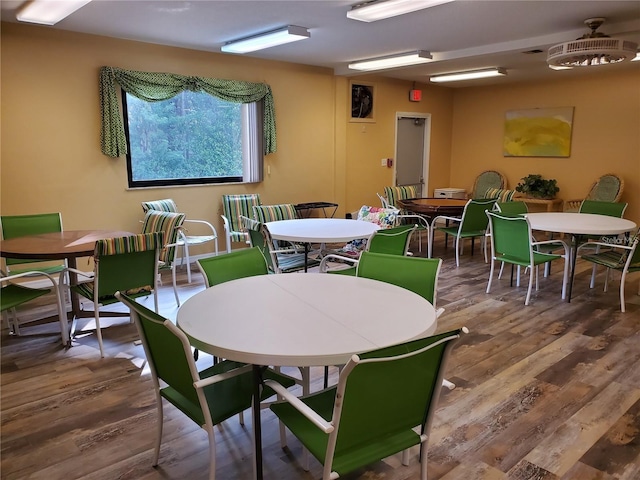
pixel 591 49
pixel 371 11
pixel 392 61
pixel 288 34
pixel 469 75
pixel 49 12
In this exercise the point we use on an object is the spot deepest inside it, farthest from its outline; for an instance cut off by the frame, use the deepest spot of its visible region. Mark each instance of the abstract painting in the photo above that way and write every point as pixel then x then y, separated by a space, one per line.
pixel 538 132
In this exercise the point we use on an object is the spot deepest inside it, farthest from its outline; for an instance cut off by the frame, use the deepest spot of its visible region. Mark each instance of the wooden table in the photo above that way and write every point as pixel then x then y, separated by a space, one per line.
pixel 432 207
pixel 553 204
pixel 302 320
pixel 69 245
pixel 578 225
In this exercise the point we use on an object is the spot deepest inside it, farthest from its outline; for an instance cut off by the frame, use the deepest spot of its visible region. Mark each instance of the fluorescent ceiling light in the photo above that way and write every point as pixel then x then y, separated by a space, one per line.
pixel 370 11
pixel 49 12
pixel 288 34
pixel 393 61
pixel 636 58
pixel 560 67
pixel 469 75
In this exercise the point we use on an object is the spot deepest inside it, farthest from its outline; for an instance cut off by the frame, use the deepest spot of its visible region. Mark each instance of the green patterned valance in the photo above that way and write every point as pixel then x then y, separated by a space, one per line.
pixel 154 87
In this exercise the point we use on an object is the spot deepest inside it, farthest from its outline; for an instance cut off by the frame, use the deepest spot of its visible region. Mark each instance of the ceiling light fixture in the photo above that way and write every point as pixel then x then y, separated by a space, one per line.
pixel 288 34
pixel 49 12
pixel 593 48
pixel 469 75
pixel 392 61
pixel 636 58
pixel 370 11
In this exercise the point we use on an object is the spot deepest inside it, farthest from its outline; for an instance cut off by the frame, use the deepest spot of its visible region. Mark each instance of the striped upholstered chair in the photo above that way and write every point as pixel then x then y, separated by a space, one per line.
pixel 185 240
pixel 393 194
pixel 169 224
pixel 273 213
pixel 233 207
pixel 126 264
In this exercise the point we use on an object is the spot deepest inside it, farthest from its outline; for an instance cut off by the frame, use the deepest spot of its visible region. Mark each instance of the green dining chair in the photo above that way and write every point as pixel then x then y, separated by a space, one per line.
pixel 390 241
pixel 14 226
pixel 230 266
pixel 373 411
pixel 127 264
pixel 612 209
pixel 15 294
pixel 473 223
pixel 623 257
pixel 512 242
pixel 515 207
pixel 208 397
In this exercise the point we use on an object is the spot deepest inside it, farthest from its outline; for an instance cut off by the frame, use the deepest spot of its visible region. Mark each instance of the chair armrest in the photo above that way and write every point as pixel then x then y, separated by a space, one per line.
pixel 204 382
pixel 606 244
pixel 326 258
pixel 444 217
pixel 420 220
pixel 299 405
pixel 203 222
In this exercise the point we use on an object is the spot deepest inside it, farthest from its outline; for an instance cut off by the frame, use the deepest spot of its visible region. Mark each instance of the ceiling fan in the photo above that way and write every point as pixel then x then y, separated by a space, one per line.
pixel 594 48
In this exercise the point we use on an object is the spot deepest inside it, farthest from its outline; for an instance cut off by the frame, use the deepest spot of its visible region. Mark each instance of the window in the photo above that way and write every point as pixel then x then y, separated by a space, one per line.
pixel 192 138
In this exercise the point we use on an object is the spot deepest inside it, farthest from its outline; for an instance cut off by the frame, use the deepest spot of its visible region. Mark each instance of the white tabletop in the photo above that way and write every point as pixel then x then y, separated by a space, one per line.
pixel 302 320
pixel 321 230
pixel 579 223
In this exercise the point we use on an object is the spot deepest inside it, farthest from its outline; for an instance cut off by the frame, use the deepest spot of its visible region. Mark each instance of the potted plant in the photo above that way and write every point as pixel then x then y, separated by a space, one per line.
pixel 537 187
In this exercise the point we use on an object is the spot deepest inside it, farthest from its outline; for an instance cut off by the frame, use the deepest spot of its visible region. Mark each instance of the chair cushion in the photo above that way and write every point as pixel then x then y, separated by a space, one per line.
pixel 234 206
pixel 501 194
pixel 166 222
pixel 166 205
pixel 383 217
pixel 272 213
pixel 394 194
pixel 132 243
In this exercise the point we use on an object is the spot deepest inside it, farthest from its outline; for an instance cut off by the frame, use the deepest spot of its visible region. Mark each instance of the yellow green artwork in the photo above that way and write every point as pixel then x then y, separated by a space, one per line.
pixel 538 132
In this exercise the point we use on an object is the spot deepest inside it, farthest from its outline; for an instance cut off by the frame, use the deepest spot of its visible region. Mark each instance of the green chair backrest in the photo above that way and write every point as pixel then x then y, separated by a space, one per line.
pixel 393 194
pixel 392 241
pixel 510 237
pixel 127 264
pixel 513 208
pixel 165 205
pixel 611 209
pixel 608 188
pixel 247 262
pixel 420 275
pixel 169 223
pixel 234 206
pixel 168 353
pixel 14 226
pixel 485 181
pixel 385 394
pixel 272 213
pixel 473 216
pixel 257 239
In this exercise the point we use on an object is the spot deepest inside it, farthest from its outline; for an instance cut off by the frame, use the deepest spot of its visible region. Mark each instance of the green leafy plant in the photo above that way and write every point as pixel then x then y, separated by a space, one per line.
pixel 538 187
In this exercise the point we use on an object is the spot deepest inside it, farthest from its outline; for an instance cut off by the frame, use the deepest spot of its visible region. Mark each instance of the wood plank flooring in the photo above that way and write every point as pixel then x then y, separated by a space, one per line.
pixel 550 391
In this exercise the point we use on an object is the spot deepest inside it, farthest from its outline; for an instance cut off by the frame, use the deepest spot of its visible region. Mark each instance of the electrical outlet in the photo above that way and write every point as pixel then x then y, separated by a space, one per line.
pixel 383 162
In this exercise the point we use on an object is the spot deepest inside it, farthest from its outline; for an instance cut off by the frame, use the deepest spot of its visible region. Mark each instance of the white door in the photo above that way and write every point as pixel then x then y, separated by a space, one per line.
pixel 412 150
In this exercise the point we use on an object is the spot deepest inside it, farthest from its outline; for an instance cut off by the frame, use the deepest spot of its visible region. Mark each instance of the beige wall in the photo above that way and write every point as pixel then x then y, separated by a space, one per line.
pixel 605 137
pixel 51 159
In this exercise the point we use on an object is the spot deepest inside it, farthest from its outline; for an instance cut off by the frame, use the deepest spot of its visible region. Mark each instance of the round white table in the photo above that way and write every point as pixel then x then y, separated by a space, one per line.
pixel 320 230
pixel 578 225
pixel 301 320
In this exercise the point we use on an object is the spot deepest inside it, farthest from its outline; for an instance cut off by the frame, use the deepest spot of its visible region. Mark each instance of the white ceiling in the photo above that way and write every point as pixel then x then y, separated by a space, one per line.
pixel 460 35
